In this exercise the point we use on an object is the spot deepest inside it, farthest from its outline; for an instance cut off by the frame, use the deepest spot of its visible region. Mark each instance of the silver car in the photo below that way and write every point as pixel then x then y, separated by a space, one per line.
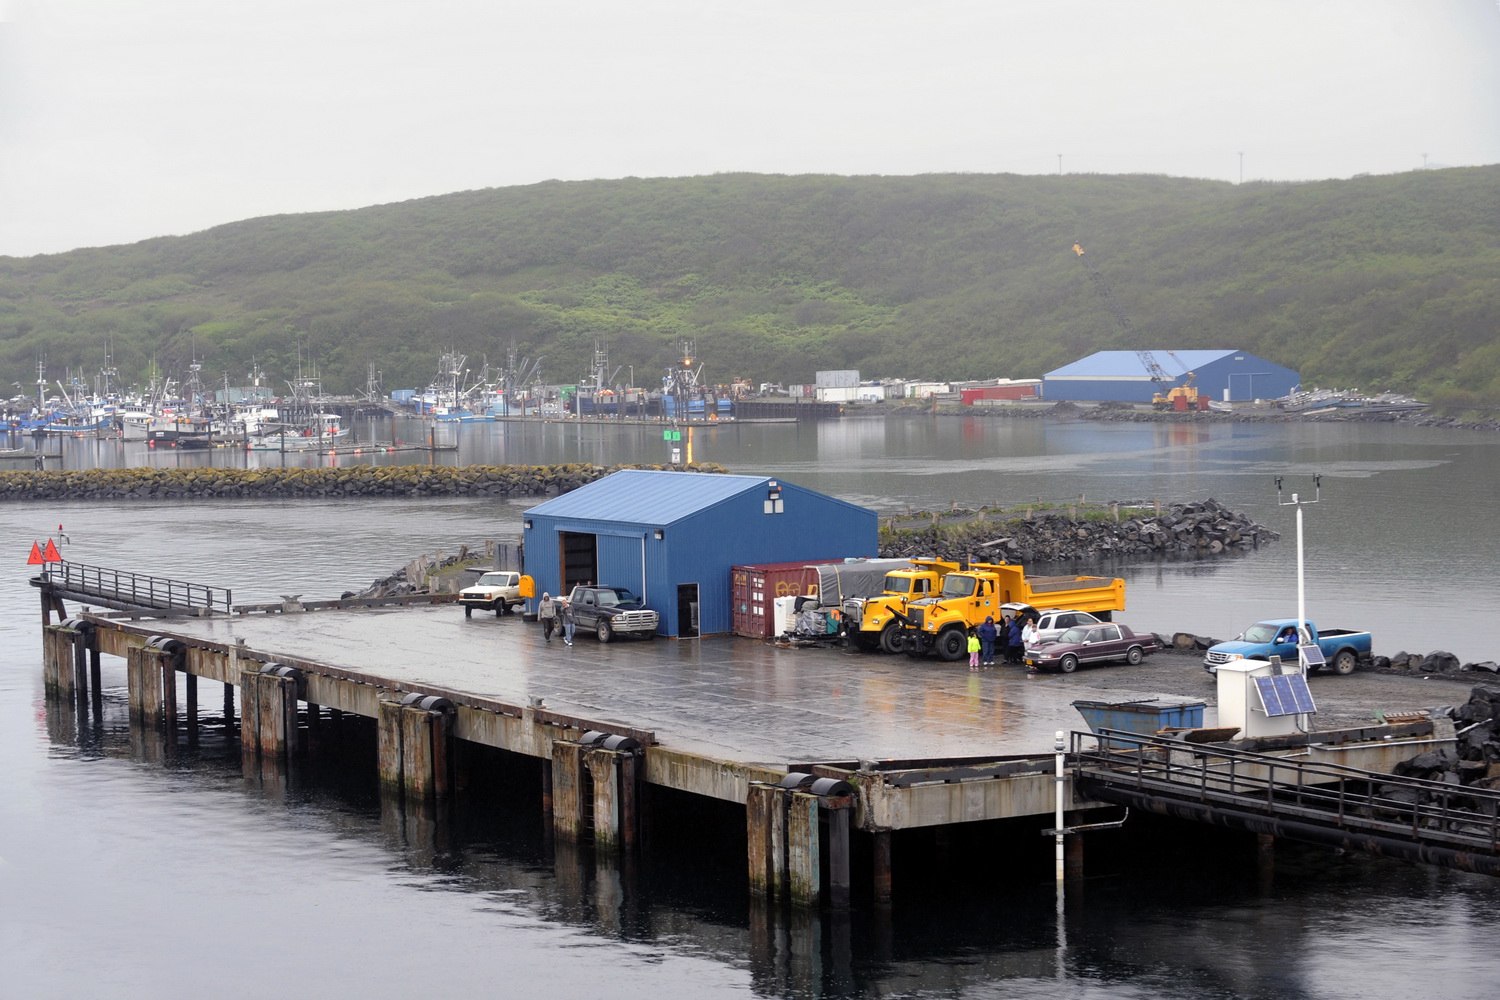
pixel 1054 623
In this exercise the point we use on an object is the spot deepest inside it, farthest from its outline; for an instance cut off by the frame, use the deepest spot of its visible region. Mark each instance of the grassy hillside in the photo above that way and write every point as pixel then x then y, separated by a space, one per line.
pixel 1376 282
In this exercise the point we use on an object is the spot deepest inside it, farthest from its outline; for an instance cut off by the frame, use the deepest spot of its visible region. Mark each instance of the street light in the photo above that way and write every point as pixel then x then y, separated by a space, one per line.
pixel 1304 639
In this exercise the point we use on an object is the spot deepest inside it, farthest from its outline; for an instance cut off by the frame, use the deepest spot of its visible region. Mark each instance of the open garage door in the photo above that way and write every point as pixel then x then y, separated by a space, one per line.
pixel 578 559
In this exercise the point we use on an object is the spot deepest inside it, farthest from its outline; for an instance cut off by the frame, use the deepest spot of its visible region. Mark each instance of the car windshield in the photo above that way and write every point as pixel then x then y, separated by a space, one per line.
pixel 1261 633
pixel 958 586
pixel 1074 635
pixel 616 596
pixel 494 580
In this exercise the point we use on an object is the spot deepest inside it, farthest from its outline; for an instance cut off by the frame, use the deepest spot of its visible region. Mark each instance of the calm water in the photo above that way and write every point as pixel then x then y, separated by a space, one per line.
pixel 127 877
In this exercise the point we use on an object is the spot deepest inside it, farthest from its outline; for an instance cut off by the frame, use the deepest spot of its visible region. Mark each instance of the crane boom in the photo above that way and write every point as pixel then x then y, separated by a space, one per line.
pixel 1147 359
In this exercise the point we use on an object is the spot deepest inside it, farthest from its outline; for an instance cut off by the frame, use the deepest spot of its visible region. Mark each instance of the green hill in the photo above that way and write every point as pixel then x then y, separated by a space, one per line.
pixel 1377 282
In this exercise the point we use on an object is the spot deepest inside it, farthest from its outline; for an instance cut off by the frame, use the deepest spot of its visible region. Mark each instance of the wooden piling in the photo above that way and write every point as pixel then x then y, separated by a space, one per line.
pixel 804 854
pixel 567 790
pixel 604 769
pixel 882 867
pixel 630 794
pixel 838 857
pixel 143 678
pixel 249 711
pixel 277 706
pixel 1073 856
pixel 765 827
pixel 388 730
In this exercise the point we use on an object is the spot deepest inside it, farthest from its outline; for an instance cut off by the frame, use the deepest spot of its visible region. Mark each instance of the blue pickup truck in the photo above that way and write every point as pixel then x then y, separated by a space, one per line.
pixel 1342 648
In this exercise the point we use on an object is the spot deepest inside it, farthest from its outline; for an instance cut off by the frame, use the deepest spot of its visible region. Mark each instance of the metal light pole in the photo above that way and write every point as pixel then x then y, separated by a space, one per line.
pixel 1303 637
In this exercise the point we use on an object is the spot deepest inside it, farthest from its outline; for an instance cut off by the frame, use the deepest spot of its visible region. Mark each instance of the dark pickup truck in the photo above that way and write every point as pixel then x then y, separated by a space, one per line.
pixel 611 611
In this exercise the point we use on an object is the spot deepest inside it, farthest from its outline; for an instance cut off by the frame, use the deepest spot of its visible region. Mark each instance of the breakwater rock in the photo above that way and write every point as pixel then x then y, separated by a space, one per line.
pixel 352 481
pixel 1475 761
pixel 1206 528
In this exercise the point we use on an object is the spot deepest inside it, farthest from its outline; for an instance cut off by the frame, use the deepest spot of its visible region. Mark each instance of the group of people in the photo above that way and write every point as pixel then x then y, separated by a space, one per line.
pixel 554 613
pixel 1010 636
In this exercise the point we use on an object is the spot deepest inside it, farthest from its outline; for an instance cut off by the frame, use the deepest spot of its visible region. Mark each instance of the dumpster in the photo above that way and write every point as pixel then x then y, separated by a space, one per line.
pixel 1147 717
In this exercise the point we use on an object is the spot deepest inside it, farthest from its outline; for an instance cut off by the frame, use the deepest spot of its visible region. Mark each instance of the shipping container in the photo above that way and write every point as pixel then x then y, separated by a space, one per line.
pixel 753 589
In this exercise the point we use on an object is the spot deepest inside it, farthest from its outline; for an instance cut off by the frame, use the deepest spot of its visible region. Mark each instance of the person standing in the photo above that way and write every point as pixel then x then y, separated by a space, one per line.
pixel 987 633
pixel 568 622
pixel 546 613
pixel 1015 640
pixel 973 649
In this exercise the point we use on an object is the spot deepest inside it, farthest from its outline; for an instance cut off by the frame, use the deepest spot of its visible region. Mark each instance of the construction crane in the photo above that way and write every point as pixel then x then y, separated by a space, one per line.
pixel 1157 373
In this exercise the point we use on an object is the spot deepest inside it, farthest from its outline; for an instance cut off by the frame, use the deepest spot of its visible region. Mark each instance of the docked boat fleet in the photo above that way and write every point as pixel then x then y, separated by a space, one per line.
pixel 190 418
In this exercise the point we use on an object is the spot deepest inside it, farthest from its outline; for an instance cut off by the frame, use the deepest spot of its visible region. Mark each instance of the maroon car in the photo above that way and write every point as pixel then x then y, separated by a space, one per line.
pixel 1103 642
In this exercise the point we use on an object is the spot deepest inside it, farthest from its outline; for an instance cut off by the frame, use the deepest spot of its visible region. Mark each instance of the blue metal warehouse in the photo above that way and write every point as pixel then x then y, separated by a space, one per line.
pixel 673 536
pixel 1123 375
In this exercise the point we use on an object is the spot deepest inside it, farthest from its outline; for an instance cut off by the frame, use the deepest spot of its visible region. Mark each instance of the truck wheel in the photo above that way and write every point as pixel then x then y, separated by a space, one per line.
pixel 604 632
pixel 893 640
pixel 1134 655
pixel 865 642
pixel 1345 662
pixel 1068 664
pixel 468 611
pixel 952 644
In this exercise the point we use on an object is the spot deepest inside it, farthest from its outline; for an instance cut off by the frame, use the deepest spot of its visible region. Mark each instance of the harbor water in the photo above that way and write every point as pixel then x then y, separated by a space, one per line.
pixel 126 876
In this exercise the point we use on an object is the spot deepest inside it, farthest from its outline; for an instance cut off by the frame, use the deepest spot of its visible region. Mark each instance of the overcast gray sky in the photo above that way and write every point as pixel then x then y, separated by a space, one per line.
pixel 126 119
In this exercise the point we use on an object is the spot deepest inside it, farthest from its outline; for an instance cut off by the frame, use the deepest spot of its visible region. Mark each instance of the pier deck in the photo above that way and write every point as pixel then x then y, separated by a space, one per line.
pixel 727 697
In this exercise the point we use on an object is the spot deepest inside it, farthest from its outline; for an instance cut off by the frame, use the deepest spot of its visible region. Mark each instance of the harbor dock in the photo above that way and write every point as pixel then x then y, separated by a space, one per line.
pixel 820 748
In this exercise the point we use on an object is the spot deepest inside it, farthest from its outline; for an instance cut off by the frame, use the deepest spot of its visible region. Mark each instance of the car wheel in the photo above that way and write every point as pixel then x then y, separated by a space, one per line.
pixel 952 645
pixel 1068 664
pixel 893 639
pixel 502 609
pixel 604 632
pixel 468 611
pixel 1134 655
pixel 1344 663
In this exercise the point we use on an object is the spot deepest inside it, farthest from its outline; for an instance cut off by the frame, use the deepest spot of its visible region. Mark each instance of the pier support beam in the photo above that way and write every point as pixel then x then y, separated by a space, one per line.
pixel 765 827
pixel 882 866
pixel 568 786
pixel 804 855
pixel 145 674
pixel 415 750
pixel 268 713
pixel 604 775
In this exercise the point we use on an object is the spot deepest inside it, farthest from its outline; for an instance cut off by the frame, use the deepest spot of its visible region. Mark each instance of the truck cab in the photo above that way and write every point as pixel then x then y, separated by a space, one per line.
pixel 877 622
pixel 611 611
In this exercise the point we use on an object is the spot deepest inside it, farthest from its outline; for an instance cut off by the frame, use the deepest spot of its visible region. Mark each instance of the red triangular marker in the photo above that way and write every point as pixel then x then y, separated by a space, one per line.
pixel 50 554
pixel 36 555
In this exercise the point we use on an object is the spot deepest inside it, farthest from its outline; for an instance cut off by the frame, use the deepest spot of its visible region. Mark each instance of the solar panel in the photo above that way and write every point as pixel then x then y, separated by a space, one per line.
pixel 1312 655
pixel 1287 694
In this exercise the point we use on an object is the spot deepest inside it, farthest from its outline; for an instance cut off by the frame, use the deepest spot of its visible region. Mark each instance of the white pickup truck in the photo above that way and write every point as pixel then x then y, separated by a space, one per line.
pixel 498 591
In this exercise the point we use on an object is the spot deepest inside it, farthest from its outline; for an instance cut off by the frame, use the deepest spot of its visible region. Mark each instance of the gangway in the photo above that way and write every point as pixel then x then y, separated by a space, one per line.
pixel 124 590
pixel 1412 819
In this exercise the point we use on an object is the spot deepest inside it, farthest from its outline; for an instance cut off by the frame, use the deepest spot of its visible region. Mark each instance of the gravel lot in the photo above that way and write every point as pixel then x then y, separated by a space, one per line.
pixel 1342 701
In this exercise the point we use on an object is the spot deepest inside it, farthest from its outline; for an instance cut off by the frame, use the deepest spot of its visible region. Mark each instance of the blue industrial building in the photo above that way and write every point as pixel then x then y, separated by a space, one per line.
pixel 1233 376
pixel 672 537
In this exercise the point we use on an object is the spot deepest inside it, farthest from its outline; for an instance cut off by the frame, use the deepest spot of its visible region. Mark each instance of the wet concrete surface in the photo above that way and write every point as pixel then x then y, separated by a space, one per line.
pixel 754 702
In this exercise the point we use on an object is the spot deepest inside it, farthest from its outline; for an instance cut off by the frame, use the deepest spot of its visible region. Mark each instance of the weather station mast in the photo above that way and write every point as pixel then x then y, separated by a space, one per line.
pixel 1309 654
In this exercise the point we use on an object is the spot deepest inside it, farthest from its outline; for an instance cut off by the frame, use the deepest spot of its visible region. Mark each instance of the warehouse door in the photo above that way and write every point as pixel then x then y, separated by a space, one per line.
pixel 578 559
pixel 687 611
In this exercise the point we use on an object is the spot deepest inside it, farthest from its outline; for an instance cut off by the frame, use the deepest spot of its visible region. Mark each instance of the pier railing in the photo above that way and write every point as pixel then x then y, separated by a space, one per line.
pixel 123 587
pixel 1437 822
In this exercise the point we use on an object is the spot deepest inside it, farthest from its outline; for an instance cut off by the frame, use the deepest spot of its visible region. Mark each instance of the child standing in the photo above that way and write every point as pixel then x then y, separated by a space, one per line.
pixel 973 649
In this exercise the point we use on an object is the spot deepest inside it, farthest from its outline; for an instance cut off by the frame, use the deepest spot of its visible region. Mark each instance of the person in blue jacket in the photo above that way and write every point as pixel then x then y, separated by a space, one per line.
pixel 1015 648
pixel 987 632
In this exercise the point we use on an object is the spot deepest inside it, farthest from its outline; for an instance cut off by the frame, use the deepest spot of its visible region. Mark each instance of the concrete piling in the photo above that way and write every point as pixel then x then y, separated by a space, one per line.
pixel 804 855
pixel 568 787
pixel 604 776
pixel 415 750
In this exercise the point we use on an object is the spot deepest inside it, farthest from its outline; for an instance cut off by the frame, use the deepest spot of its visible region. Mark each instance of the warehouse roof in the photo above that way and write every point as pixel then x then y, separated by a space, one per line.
pixel 651 496
pixel 1128 364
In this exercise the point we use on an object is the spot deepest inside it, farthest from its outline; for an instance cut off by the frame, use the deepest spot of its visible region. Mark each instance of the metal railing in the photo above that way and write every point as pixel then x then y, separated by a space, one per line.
pixel 136 589
pixel 1460 818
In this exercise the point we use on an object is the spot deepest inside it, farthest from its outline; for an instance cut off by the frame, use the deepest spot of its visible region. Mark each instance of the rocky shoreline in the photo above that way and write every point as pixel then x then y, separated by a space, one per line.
pixel 354 481
pixel 1183 530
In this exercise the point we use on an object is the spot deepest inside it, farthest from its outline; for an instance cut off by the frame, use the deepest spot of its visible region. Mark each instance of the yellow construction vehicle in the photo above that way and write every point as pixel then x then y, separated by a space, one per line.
pixel 877 622
pixel 1181 397
pixel 940 623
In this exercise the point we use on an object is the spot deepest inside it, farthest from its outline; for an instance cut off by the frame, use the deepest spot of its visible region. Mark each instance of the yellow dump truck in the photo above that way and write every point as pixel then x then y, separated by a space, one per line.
pixel 876 622
pixel 940 623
